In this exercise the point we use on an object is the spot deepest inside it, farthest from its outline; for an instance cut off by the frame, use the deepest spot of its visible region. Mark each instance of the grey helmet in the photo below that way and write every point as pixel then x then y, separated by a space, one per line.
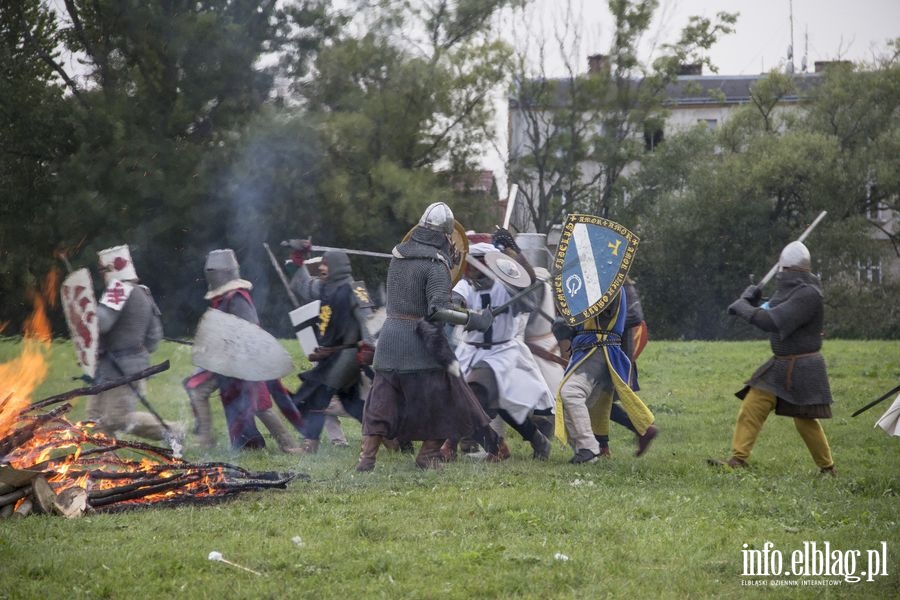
pixel 223 273
pixel 795 256
pixel 438 217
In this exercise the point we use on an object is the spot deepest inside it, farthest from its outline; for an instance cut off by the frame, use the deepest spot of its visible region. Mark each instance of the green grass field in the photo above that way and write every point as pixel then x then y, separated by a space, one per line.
pixel 662 526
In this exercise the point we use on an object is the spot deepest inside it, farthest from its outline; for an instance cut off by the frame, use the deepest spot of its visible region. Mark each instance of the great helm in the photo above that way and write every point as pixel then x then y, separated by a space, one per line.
pixel 795 256
pixel 438 217
pixel 223 274
pixel 115 263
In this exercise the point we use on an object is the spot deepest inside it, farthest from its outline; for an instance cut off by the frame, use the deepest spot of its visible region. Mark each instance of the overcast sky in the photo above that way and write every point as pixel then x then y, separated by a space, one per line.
pixel 848 29
pixel 854 30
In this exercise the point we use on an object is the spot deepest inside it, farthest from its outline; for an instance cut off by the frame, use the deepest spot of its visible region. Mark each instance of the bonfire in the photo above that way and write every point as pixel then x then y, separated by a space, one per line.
pixel 51 465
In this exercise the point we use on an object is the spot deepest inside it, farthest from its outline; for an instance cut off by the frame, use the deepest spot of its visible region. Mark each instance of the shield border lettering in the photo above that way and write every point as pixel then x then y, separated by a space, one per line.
pixel 562 267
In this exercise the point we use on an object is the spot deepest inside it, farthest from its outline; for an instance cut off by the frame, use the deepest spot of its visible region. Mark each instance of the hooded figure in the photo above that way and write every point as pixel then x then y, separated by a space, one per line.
pixel 341 329
pixel 243 401
pixel 130 330
pixel 793 382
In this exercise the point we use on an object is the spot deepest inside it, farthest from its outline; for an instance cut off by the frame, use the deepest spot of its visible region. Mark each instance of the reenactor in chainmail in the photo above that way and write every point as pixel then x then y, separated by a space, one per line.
pixel 793 382
pixel 417 392
pixel 130 330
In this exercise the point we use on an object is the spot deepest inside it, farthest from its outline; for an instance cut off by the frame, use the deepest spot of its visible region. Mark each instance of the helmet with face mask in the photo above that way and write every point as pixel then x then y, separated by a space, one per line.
pixel 223 274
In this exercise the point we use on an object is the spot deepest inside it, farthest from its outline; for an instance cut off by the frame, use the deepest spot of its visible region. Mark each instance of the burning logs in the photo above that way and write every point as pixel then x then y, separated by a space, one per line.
pixel 49 465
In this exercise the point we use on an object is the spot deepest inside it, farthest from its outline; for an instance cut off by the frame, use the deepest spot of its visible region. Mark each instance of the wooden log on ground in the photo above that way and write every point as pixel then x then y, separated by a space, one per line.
pixel 141 493
pixel 43 495
pixel 71 502
pixel 24 508
pixel 99 494
pixel 13 497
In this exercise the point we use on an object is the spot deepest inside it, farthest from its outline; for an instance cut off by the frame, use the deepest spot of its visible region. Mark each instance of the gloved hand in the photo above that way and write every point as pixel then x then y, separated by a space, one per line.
pixel 742 308
pixel 480 320
pixel 502 239
pixel 753 294
pixel 365 353
pixel 300 250
pixel 562 330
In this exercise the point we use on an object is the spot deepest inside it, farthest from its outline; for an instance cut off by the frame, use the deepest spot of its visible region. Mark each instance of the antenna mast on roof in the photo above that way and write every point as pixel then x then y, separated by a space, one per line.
pixel 790 51
pixel 804 63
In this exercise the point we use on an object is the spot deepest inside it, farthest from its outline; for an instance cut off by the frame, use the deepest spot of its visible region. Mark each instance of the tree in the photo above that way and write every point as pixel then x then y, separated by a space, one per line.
pixel 582 134
pixel 35 134
pixel 167 90
pixel 713 207
pixel 404 100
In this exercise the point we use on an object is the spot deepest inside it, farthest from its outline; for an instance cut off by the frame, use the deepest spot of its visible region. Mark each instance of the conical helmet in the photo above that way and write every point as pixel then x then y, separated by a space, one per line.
pixel 438 217
pixel 795 256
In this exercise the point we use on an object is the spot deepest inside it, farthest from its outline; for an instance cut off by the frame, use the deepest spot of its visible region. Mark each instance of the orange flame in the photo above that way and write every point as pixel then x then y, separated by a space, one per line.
pixel 20 376
pixel 75 455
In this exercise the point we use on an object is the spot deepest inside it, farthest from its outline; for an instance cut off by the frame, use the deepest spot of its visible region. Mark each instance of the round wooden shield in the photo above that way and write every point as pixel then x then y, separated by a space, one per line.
pixel 507 270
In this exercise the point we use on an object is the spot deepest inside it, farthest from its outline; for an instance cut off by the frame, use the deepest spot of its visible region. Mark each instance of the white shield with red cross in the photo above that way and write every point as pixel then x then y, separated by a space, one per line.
pixel 116 294
pixel 80 308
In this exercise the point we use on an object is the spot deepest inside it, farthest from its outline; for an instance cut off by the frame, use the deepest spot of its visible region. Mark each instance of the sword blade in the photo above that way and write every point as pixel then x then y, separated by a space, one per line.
pixel 802 237
pixel 349 251
pixel 282 276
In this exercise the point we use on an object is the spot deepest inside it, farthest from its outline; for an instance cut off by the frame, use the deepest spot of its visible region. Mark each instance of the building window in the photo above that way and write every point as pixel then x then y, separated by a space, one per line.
pixel 869 271
pixel 653 137
pixel 708 123
pixel 873 207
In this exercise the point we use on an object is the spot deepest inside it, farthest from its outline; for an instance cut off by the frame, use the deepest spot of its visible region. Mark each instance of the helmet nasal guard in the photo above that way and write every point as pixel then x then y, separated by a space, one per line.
pixel 437 217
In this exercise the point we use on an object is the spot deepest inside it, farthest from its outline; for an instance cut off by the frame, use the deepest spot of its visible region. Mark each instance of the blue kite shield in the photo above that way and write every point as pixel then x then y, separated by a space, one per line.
pixel 590 266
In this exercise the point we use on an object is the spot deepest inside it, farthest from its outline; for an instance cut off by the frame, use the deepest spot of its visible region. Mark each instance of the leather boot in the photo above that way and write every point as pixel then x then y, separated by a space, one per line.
pixel 429 456
pixel 368 452
pixel 501 454
pixel 644 440
pixel 279 431
pixel 540 445
pixel 309 446
pixel 546 424
pixel 448 451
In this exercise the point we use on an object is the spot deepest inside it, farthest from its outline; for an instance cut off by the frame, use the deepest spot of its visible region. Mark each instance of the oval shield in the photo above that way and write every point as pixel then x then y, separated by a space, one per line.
pixel 80 309
pixel 593 257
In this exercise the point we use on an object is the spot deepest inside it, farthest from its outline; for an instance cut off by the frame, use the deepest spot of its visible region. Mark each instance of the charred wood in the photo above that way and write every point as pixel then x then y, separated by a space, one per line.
pixel 96 389
pixel 122 489
pixel 26 432
pixel 142 492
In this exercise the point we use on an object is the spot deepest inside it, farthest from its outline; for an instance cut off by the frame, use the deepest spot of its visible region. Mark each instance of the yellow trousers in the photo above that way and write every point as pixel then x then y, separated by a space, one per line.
pixel 755 408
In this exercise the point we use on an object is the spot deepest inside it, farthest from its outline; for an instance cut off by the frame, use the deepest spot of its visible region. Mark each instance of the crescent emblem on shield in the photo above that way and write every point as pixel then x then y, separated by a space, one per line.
pixel 573 284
